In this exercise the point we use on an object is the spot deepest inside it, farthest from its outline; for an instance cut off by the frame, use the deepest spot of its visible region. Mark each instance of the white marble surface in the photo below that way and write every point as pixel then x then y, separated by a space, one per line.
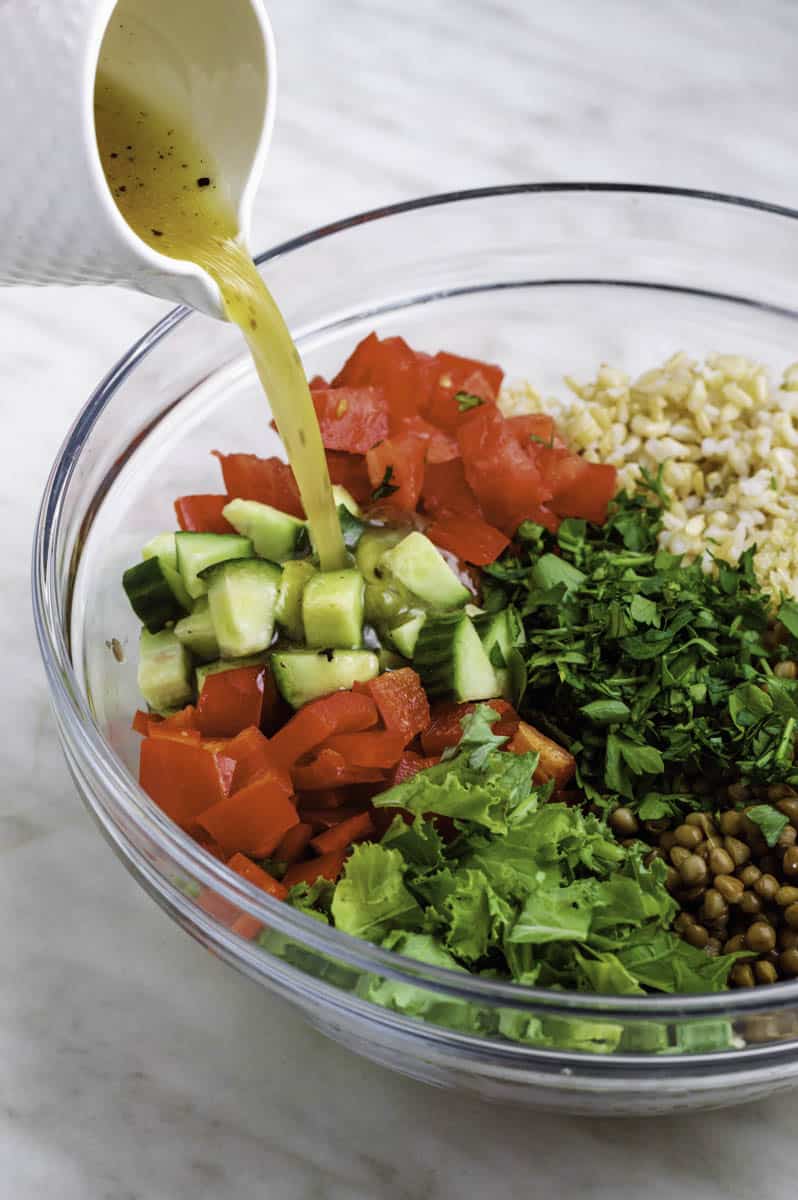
pixel 112 1086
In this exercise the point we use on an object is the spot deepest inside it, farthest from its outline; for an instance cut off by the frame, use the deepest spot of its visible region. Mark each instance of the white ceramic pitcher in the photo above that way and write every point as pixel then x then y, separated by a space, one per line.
pixel 209 62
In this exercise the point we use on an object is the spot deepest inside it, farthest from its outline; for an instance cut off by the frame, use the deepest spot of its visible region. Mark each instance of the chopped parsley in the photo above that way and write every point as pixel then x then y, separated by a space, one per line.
pixel 386 488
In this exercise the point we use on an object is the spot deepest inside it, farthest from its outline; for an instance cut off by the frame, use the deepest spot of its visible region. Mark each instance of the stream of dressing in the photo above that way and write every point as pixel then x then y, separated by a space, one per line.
pixel 170 195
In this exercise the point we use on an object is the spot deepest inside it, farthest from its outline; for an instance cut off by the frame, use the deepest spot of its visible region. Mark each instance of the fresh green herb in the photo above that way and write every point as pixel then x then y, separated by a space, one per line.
pixel 547 442
pixel 652 671
pixel 466 401
pixel 771 822
pixel 352 527
pixel 386 488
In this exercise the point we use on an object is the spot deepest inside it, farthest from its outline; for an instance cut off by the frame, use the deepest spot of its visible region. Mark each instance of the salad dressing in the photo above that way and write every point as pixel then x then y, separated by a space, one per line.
pixel 169 193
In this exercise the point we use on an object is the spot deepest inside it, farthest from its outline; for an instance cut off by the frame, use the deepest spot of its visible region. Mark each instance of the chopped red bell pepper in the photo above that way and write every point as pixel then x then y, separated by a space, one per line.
pixel 351 419
pixel 141 722
pixel 326 798
pixel 251 752
pixel 469 538
pixel 231 701
pixel 329 769
pixel 327 818
pixel 401 701
pixel 293 844
pixel 380 749
pixel 356 829
pixel 329 866
pixel 445 728
pixel 182 778
pixel 202 514
pixel 181 725
pixel 256 875
pixel 341 712
pixel 396 469
pixel 409 765
pixel 253 819
pixel 269 480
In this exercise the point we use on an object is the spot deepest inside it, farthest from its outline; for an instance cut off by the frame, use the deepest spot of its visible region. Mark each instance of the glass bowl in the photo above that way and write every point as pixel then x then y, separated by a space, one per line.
pixel 545 280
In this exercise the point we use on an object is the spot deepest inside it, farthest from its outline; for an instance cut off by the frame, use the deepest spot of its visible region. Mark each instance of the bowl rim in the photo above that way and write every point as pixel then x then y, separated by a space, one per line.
pixel 81 734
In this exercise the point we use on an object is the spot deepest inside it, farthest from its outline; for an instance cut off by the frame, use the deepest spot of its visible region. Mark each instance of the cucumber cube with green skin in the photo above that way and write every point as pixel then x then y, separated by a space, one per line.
pixel 304 675
pixel 162 546
pixel 198 551
pixel 451 659
pixel 274 535
pixel 332 609
pixel 242 597
pixel 405 636
pixel 197 633
pixel 498 633
pixel 164 672
pixel 149 589
pixel 227 664
pixel 419 565
pixel 289 598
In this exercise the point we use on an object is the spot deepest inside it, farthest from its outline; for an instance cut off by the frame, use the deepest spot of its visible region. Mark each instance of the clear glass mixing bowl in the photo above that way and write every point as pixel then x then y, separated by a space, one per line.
pixel 543 279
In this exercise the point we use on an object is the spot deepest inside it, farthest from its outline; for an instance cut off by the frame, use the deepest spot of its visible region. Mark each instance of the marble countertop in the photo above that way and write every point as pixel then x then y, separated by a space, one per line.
pixel 112 1087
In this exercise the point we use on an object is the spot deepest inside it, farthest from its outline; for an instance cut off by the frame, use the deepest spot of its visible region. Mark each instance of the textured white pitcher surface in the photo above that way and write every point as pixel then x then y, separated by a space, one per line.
pixel 209 63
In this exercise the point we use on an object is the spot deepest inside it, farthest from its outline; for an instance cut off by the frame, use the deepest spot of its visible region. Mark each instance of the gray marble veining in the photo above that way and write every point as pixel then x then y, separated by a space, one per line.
pixel 136 1067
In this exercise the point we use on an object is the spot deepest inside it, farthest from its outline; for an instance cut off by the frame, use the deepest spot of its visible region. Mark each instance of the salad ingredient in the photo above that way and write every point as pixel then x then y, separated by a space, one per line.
pixel 152 596
pixel 332 609
pixel 183 778
pixel 267 480
pixel 304 675
pixel 254 818
pixel 274 534
pixel 242 598
pixel 288 612
pixel 203 514
pixel 416 564
pixel 351 419
pixel 400 700
pixel 725 438
pixel 231 701
pixel 451 659
pixel 341 712
pixel 164 671
pixel 198 551
pixel 197 633
pixel 256 875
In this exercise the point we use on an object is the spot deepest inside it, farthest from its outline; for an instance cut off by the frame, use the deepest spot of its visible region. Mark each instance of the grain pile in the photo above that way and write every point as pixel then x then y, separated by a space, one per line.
pixel 727 441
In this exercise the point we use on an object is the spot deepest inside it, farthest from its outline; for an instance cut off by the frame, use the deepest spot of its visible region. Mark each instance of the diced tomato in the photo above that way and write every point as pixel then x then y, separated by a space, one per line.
pixel 329 866
pixel 342 712
pixel 351 419
pixel 578 488
pixel 256 875
pixel 534 429
pixel 202 514
pixel 269 480
pixel 318 381
pixel 182 778
pixel 294 843
pixel 398 463
pixel 446 730
pixel 401 701
pixel 381 749
pixel 504 477
pixel 472 540
pixel 555 761
pixel 349 471
pixel 441 446
pixel 409 765
pixel 254 819
pixel 231 701
pixel 455 376
pixel 392 365
pixel 356 829
pixel 329 769
pixel 456 366
pixel 446 492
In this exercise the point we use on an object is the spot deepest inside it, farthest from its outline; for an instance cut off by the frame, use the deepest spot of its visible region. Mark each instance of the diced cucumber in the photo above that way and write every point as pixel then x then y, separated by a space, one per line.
pixel 198 551
pixel 370 549
pixel 197 633
pixel 451 660
pixel 303 675
pixel 151 595
pixel 289 598
pixel 342 497
pixel 332 610
pixel 352 528
pixel 498 633
pixel 227 664
pixel 275 535
pixel 389 661
pixel 405 636
pixel 162 546
pixel 423 570
pixel 242 597
pixel 164 673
